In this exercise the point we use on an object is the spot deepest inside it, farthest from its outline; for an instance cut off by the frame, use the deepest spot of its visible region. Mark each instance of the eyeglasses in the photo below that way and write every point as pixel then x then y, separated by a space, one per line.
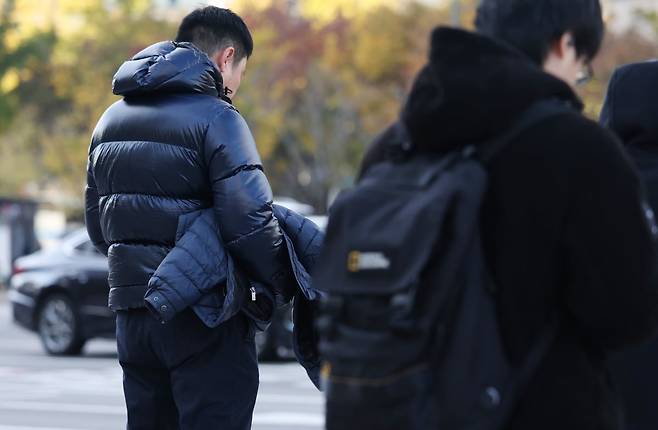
pixel 585 75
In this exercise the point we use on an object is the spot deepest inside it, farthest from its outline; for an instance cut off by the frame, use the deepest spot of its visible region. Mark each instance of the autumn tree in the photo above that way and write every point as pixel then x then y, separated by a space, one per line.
pixel 24 93
pixel 62 86
pixel 319 89
pixel 324 79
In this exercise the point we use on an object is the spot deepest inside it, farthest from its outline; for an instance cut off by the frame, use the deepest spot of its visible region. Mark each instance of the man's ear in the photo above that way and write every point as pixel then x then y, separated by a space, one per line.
pixel 224 58
pixel 561 46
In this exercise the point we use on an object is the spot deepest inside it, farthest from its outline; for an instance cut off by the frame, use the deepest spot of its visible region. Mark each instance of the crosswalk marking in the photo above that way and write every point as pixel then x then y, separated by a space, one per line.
pixel 42 391
pixel 288 419
pixel 77 408
pixel 38 392
pixel 288 398
pixel 3 427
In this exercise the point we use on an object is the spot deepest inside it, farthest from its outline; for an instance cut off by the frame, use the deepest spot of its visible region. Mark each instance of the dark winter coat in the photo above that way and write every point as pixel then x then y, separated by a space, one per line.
pixel 564 230
pixel 198 273
pixel 631 111
pixel 170 147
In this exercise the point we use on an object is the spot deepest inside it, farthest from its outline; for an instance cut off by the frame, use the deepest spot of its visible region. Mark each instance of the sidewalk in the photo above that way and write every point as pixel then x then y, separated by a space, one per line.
pixel 5 308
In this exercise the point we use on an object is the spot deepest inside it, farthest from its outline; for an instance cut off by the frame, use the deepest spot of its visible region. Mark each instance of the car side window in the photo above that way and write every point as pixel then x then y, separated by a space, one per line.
pixel 88 248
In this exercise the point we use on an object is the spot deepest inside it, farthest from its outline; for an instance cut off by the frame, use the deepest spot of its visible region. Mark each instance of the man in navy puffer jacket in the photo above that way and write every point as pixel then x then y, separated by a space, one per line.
pixel 173 145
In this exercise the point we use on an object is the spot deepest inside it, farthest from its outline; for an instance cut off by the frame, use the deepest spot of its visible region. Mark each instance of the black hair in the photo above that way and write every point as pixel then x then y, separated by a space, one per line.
pixel 533 25
pixel 212 29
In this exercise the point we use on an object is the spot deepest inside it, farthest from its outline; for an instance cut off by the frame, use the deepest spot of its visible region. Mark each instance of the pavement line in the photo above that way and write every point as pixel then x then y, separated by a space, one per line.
pixel 288 398
pixel 62 407
pixel 278 418
pixel 288 419
pixel 3 427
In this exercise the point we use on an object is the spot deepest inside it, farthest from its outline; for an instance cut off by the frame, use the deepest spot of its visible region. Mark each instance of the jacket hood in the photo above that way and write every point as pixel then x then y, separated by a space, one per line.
pixel 168 67
pixel 630 108
pixel 472 89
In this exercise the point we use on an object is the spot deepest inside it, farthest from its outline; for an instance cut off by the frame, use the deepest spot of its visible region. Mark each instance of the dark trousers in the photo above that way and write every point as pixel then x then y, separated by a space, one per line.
pixel 185 376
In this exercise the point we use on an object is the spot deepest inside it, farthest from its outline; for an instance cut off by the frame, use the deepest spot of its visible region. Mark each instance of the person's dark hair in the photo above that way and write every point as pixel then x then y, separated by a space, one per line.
pixel 533 25
pixel 212 29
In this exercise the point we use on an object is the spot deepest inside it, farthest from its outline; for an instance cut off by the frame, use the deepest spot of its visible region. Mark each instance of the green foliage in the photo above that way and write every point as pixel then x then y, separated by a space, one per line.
pixel 317 91
pixel 86 61
pixel 20 62
pixel 64 87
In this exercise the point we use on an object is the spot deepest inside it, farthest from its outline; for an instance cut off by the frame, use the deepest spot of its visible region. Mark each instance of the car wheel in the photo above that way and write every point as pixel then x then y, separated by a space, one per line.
pixel 58 326
pixel 266 346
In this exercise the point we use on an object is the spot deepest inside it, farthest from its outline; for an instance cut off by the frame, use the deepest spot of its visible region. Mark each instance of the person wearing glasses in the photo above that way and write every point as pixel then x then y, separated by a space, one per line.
pixel 631 111
pixel 564 228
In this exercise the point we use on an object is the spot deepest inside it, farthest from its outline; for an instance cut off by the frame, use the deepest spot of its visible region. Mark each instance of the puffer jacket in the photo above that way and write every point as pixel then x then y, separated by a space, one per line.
pixel 198 273
pixel 170 147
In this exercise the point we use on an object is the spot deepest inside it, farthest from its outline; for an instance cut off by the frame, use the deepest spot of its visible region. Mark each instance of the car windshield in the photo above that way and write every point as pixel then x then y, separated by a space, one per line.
pixel 79 242
pixel 87 247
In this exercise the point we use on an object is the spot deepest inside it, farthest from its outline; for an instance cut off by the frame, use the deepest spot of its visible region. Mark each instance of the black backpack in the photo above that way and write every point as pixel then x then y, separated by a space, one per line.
pixel 408 328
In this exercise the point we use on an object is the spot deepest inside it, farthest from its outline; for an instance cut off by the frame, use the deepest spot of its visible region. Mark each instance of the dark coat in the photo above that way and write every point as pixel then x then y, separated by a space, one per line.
pixel 170 147
pixel 564 230
pixel 631 111
pixel 198 273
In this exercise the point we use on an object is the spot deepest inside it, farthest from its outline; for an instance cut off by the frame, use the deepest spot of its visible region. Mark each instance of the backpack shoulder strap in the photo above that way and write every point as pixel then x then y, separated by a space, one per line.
pixel 535 114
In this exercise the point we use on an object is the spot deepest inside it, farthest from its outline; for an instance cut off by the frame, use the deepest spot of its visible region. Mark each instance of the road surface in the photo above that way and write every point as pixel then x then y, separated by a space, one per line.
pixel 38 392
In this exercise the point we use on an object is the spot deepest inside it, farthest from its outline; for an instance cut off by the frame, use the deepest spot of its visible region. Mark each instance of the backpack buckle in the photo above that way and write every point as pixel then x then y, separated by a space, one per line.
pixel 331 309
pixel 332 305
pixel 469 151
pixel 401 308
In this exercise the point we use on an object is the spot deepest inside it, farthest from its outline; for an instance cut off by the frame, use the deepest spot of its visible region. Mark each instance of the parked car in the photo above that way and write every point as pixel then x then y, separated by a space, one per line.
pixel 17 236
pixel 61 294
pixel 275 343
